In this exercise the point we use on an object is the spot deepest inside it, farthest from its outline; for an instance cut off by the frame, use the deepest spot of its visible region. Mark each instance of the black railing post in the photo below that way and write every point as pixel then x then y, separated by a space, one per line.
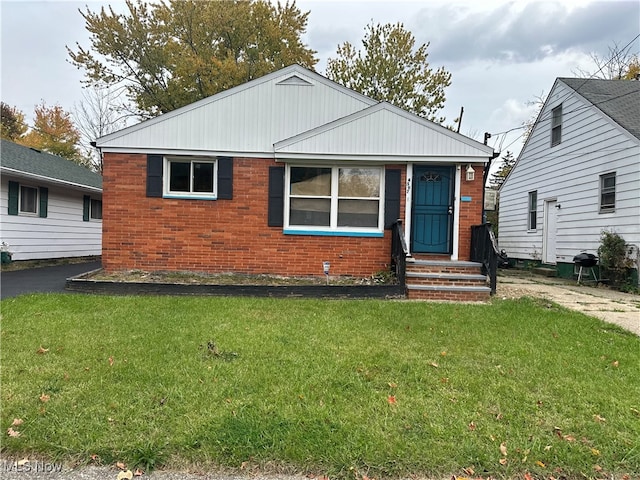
pixel 399 252
pixel 484 250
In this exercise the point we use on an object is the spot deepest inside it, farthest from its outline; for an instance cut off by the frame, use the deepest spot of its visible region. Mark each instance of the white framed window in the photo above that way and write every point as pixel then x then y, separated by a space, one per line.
pixel 96 209
pixel 608 192
pixel 556 125
pixel 334 200
pixel 28 200
pixel 190 178
pixel 532 222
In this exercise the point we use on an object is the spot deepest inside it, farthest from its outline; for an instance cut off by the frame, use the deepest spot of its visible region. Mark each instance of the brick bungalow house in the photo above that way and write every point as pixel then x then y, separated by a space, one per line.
pixel 284 172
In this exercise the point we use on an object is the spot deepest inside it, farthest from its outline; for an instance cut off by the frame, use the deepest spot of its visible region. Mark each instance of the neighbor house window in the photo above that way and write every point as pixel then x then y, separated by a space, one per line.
pixel 96 209
pixel 91 208
pixel 334 199
pixel 190 178
pixel 556 125
pixel 608 192
pixel 28 199
pixel 533 210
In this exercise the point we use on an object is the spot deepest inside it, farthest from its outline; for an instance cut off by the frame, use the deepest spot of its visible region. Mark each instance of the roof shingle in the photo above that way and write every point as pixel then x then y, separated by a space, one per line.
pixel 618 99
pixel 31 161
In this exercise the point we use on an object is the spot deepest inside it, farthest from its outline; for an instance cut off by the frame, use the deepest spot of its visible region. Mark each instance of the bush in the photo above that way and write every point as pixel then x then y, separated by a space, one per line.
pixel 614 263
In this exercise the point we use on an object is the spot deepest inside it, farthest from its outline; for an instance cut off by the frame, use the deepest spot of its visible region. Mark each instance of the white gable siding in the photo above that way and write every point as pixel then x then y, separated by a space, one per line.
pixel 246 120
pixel 62 233
pixel 591 145
pixel 383 130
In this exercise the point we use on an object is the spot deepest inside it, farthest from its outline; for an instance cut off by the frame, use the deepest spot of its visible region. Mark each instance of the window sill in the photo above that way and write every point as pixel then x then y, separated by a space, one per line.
pixel 334 233
pixel 189 197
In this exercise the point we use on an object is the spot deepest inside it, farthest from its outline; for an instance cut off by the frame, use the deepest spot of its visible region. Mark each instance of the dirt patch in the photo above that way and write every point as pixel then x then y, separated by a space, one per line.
pixel 196 278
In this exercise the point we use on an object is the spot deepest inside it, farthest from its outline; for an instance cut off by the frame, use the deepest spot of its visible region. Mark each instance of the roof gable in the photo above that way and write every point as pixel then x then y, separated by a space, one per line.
pixel 381 131
pixel 30 162
pixel 244 120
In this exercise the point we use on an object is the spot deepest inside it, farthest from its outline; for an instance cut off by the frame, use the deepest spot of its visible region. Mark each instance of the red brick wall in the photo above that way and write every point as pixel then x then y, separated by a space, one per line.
pixel 470 212
pixel 155 234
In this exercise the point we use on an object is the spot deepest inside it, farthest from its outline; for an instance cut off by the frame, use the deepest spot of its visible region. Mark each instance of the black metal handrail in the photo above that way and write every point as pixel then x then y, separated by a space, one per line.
pixel 399 252
pixel 484 250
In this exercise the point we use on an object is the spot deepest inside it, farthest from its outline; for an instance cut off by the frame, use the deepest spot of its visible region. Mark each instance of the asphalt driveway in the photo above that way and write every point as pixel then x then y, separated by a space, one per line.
pixel 43 279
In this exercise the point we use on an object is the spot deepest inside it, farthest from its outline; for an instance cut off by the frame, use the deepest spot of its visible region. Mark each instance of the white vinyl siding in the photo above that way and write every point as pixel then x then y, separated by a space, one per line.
pixel 592 145
pixel 62 233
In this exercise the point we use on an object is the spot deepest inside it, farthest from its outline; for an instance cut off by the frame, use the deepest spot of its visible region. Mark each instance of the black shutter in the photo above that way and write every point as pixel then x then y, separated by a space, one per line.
pixel 14 191
pixel 391 197
pixel 154 175
pixel 225 178
pixel 44 201
pixel 86 205
pixel 275 215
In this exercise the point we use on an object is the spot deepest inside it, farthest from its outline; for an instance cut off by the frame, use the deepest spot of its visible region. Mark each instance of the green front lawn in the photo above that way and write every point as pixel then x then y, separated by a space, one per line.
pixel 338 388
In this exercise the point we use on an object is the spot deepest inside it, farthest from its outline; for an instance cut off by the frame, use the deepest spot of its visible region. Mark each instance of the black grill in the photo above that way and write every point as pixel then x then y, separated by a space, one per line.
pixel 586 260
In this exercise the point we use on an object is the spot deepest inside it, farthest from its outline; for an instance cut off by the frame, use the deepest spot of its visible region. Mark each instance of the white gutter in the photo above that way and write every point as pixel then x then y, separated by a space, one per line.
pixel 56 181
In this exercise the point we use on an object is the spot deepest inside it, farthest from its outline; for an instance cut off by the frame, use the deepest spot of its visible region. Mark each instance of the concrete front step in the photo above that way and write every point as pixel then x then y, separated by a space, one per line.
pixel 460 293
pixel 443 279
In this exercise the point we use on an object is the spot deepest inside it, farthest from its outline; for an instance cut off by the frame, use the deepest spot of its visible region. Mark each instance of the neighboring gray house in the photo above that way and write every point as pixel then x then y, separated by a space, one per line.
pixel 577 175
pixel 50 207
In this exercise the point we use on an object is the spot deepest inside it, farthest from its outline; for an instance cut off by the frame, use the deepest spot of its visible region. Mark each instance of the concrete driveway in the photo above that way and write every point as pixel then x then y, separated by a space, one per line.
pixel 43 279
pixel 622 309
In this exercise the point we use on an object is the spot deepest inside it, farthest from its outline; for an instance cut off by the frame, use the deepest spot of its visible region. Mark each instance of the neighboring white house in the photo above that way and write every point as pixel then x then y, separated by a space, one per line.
pixel 577 175
pixel 50 207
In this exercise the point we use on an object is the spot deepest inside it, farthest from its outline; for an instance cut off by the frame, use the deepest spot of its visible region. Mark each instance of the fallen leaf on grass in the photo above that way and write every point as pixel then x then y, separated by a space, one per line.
pixel 392 399
pixel 138 473
pixel 16 422
pixel 547 448
pixel 392 385
pixel 13 433
pixel 616 364
pixel 595 452
pixel 41 350
pixel 125 475
pixel 111 361
pixel 503 461
pixel 121 465
pixel 599 419
pixel 472 426
pixel 469 470
pixel 597 468
pixel 434 364
pixel 503 449
pixel 540 464
pixel 95 457
pixel 527 476
pixel 44 398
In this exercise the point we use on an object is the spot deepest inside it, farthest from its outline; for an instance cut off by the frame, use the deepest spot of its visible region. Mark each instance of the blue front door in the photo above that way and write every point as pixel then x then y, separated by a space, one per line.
pixel 432 209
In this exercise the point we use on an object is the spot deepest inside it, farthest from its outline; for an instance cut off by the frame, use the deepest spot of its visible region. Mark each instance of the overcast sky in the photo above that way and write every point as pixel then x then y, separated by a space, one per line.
pixel 500 54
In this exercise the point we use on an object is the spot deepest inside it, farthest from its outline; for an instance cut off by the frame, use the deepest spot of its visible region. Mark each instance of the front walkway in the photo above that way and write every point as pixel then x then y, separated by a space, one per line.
pixel 622 309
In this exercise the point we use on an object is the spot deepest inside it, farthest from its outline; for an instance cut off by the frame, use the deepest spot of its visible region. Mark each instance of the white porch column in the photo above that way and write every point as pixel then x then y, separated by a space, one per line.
pixel 456 213
pixel 408 205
